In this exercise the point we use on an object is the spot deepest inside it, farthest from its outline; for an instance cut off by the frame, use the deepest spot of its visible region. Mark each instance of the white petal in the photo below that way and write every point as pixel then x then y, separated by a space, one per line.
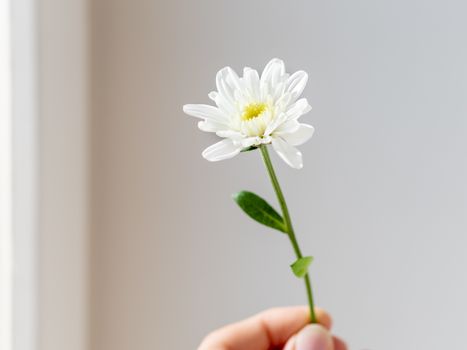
pixel 288 127
pixel 298 109
pixel 226 107
pixel 288 153
pixel 222 150
pixel 210 126
pixel 296 83
pixel 273 69
pixel 302 135
pixel 273 79
pixel 275 124
pixel 222 87
pixel 252 82
pixel 205 112
pixel 232 79
pixel 213 95
pixel 231 134
pixel 278 89
pixel 250 141
pixel 284 100
pixel 227 82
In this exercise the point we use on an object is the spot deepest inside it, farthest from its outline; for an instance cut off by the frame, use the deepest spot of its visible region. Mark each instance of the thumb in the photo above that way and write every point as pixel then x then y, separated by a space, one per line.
pixel 314 337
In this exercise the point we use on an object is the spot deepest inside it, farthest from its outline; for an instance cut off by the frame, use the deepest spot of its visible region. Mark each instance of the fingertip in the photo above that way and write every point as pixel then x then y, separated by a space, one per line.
pixel 314 337
pixel 291 343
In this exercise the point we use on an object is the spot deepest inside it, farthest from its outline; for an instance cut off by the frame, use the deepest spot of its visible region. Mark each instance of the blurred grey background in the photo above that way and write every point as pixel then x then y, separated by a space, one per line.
pixel 381 202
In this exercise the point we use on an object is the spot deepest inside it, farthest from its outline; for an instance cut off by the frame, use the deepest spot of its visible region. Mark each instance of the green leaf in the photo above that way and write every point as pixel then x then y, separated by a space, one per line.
pixel 248 149
pixel 300 267
pixel 258 209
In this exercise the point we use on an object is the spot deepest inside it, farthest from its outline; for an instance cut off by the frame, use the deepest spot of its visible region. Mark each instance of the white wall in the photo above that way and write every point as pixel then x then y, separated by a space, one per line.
pixel 380 203
pixel 6 237
pixel 46 191
pixel 63 175
pixel 25 174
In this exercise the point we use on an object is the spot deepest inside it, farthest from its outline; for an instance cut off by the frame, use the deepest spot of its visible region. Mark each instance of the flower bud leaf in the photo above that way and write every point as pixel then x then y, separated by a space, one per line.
pixel 300 267
pixel 258 209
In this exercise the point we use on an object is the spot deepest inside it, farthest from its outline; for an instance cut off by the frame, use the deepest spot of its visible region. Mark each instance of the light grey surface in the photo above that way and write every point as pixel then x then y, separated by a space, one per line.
pixel 381 202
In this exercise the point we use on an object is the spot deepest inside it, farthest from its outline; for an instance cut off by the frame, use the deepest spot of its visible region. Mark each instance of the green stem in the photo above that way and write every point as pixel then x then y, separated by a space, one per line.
pixel 288 224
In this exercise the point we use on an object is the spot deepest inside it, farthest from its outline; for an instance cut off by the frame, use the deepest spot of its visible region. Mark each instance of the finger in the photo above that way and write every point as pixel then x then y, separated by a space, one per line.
pixel 323 318
pixel 339 344
pixel 268 329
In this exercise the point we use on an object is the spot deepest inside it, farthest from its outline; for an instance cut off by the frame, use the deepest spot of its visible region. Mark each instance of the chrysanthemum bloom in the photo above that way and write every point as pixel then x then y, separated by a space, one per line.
pixel 253 110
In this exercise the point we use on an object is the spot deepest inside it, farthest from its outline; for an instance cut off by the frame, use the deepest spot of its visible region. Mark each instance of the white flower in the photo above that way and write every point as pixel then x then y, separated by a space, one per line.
pixel 253 110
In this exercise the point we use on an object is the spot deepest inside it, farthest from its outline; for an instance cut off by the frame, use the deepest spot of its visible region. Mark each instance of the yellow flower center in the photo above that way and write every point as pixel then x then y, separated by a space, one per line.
pixel 253 110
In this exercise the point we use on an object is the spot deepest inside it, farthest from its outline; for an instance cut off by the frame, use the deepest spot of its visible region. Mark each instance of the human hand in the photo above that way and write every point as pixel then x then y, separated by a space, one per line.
pixel 279 328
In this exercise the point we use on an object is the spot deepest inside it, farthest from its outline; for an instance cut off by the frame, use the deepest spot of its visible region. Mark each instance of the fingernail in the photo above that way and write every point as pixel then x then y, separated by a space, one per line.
pixel 314 337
